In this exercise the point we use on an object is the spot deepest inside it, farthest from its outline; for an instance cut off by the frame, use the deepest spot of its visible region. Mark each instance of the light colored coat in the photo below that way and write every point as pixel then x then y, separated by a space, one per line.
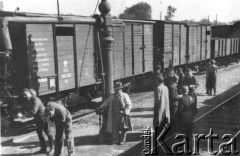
pixel 161 105
pixel 126 103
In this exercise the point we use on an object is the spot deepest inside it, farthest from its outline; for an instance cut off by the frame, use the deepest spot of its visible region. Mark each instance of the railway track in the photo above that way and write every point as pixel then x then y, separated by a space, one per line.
pixel 215 132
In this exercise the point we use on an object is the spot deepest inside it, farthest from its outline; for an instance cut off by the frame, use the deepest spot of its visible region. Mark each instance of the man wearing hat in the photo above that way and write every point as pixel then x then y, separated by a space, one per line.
pixel 119 108
pixel 41 120
pixel 63 123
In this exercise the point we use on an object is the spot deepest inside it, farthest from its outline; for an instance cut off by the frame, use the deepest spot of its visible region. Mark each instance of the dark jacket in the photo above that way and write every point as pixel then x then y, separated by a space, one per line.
pixel 186 110
pixel 180 81
pixel 173 99
pixel 37 109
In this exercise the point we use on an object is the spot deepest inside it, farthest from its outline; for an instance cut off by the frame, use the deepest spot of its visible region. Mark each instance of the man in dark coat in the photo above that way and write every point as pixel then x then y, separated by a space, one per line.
pixel 41 120
pixel 192 83
pixel 63 122
pixel 169 75
pixel 212 77
pixel 180 79
pixel 173 101
pixel 186 110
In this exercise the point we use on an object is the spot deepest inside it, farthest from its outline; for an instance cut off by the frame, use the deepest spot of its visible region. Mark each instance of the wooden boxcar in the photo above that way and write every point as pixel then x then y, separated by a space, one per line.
pixel 178 44
pixel 170 40
pixel 52 58
pixel 57 59
pixel 132 49
pixel 225 43
pixel 198 45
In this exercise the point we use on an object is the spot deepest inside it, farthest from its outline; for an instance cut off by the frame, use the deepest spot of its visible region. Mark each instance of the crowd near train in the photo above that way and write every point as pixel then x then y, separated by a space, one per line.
pixel 63 59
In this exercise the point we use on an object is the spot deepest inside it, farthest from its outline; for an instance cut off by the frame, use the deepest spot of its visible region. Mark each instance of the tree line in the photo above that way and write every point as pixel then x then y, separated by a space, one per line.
pixel 143 11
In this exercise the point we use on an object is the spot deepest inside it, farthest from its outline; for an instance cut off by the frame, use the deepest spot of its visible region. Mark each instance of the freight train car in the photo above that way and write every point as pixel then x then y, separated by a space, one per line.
pixel 181 44
pixel 225 43
pixel 132 49
pixel 198 44
pixel 59 59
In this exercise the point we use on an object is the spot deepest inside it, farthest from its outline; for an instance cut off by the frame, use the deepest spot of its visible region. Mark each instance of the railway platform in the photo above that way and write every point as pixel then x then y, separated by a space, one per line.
pixel 86 129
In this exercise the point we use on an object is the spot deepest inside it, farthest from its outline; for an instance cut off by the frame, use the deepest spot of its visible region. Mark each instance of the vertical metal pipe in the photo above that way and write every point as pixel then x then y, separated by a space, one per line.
pixel 75 59
pixel 58 8
pixel 107 40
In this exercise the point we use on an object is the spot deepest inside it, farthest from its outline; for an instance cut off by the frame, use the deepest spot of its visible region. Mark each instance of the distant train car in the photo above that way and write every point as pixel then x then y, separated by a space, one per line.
pixel 199 42
pixel 181 44
pixel 170 41
pixel 225 43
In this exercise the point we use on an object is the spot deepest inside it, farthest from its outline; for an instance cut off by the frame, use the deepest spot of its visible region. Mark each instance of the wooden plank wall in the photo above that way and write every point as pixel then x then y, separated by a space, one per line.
pixel 128 50
pixel 183 44
pixel 148 44
pixel 40 57
pixel 85 55
pixel 118 53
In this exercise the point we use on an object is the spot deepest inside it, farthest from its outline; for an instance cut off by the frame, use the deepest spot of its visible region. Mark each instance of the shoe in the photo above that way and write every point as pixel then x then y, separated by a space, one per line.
pixel 121 142
pixel 41 151
pixel 51 152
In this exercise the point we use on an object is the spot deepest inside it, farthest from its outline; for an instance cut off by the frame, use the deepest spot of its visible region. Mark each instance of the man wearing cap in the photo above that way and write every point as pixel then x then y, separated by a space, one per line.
pixel 63 122
pixel 161 115
pixel 119 107
pixel 41 120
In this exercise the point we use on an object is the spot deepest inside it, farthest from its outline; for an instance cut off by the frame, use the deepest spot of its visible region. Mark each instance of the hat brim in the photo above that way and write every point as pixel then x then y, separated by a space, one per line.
pixel 118 87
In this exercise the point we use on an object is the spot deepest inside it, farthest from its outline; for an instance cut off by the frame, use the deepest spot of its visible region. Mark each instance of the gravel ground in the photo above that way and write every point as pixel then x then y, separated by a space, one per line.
pixel 86 130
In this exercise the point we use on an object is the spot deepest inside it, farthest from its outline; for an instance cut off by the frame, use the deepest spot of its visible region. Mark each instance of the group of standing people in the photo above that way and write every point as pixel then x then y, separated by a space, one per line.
pixel 175 101
pixel 175 104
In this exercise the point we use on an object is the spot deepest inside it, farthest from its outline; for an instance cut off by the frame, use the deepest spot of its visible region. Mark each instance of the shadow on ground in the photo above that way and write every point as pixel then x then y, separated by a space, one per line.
pixel 223 96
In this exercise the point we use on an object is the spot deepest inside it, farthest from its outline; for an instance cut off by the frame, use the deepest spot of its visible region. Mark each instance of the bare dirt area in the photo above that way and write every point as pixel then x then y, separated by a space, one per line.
pixel 86 130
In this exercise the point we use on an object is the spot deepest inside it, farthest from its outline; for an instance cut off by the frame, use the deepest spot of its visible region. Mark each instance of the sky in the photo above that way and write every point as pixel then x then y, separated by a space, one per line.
pixel 223 10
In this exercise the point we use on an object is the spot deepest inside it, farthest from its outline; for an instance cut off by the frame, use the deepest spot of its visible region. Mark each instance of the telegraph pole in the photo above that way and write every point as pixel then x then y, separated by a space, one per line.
pixel 216 19
pixel 160 10
pixel 1 6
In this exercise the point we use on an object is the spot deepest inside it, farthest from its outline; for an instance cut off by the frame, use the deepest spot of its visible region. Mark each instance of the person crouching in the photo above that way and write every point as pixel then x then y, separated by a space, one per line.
pixel 42 122
pixel 63 122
